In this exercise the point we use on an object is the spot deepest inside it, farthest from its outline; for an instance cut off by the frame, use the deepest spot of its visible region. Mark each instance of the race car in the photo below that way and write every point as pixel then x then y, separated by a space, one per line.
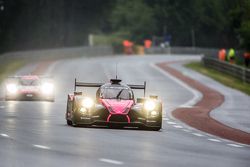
pixel 29 87
pixel 115 106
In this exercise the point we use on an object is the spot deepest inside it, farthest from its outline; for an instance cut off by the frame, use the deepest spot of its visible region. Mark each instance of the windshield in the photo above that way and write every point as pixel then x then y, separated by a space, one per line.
pixel 116 93
pixel 29 82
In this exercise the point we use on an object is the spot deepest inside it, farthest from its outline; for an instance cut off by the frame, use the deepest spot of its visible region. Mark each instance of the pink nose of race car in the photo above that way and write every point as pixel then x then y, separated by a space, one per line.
pixel 117 107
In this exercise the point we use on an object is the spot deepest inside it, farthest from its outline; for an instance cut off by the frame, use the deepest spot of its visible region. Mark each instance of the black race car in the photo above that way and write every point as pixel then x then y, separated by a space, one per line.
pixel 114 106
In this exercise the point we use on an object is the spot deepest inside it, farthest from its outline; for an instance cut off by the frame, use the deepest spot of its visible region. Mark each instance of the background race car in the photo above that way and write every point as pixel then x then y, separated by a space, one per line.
pixel 114 106
pixel 29 87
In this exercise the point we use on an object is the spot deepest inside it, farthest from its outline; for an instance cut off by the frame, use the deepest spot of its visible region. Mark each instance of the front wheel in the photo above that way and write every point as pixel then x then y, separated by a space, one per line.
pixel 154 128
pixel 115 126
pixel 9 99
pixel 51 100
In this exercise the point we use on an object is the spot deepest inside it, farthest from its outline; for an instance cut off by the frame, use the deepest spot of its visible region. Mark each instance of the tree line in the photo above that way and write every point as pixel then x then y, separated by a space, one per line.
pixel 38 24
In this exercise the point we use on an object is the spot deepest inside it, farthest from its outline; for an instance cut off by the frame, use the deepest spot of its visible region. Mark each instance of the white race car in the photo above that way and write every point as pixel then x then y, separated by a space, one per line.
pixel 29 87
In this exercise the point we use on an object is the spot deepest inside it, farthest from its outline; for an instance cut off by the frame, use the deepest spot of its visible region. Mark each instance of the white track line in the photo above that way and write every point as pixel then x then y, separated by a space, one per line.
pixel 178 126
pixel 186 130
pixel 41 146
pixel 4 135
pixel 111 161
pixel 215 140
pixel 171 123
pixel 165 119
pixel 235 145
pixel 244 145
pixel 183 106
pixel 198 134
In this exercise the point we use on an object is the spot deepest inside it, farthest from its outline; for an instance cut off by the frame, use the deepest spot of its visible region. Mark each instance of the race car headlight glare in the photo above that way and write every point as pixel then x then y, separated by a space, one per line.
pixel 47 88
pixel 83 110
pixel 12 88
pixel 87 102
pixel 149 105
pixel 154 113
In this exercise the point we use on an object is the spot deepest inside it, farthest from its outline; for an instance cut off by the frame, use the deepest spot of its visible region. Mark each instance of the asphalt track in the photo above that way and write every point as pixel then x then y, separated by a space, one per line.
pixel 35 133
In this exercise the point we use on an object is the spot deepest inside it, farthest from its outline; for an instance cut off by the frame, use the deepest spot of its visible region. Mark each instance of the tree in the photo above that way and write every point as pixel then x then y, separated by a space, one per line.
pixel 208 19
pixel 134 19
pixel 244 29
pixel 37 24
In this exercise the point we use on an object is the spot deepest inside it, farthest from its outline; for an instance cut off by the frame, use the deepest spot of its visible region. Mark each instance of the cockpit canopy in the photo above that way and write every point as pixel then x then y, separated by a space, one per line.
pixel 115 92
pixel 29 82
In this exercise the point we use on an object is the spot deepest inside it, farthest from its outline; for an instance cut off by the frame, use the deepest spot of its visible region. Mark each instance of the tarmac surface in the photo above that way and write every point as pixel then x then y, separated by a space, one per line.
pixel 36 134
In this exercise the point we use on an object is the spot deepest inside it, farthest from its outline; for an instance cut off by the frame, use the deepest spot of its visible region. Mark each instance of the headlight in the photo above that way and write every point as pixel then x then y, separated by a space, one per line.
pixel 12 88
pixel 47 88
pixel 154 113
pixel 83 110
pixel 87 102
pixel 149 105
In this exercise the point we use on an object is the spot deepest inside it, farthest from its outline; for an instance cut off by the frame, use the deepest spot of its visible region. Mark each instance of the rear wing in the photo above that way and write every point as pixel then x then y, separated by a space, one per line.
pixel 139 87
pixel 93 85
pixel 83 84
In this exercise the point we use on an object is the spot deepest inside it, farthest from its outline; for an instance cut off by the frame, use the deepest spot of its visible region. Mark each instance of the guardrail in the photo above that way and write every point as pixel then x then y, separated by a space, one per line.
pixel 182 50
pixel 70 52
pixel 227 68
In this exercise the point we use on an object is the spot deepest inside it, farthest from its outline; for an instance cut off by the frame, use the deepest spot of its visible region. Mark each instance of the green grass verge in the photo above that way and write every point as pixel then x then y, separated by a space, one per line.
pixel 220 77
pixel 8 67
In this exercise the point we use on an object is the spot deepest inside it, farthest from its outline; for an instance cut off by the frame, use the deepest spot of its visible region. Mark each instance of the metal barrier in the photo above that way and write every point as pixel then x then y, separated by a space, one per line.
pixel 182 50
pixel 224 67
pixel 70 52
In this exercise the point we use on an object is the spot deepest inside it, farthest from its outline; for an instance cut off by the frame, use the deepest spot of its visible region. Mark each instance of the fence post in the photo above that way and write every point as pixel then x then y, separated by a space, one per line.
pixel 244 75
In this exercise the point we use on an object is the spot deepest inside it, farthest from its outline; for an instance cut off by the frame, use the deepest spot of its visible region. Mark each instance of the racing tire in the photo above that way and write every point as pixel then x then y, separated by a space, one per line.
pixel 51 100
pixel 157 126
pixel 154 128
pixel 80 125
pixel 9 99
pixel 69 122
pixel 113 126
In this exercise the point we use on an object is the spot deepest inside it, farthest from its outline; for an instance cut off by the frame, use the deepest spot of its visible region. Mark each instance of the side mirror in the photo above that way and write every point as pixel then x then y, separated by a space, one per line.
pixel 140 100
pixel 77 93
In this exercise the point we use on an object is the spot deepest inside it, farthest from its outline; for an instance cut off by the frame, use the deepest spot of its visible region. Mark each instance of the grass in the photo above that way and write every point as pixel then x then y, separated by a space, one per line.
pixel 225 79
pixel 8 67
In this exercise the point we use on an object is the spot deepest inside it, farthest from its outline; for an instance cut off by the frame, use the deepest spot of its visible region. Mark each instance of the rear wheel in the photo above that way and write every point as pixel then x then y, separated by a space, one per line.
pixel 69 122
